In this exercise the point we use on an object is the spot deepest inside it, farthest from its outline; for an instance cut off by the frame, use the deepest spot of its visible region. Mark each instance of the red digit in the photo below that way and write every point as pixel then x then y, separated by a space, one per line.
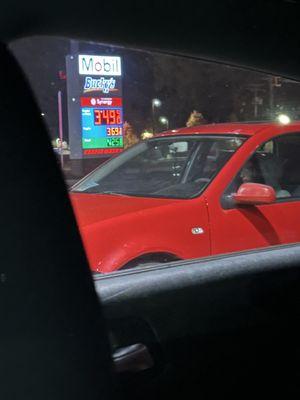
pixel 97 117
pixel 112 117
pixel 118 119
pixel 105 116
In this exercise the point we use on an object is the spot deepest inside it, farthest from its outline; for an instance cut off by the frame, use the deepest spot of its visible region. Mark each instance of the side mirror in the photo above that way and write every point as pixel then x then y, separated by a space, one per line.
pixel 254 194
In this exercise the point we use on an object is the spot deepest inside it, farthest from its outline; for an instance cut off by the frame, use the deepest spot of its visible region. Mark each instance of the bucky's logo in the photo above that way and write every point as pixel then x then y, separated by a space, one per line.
pixel 99 85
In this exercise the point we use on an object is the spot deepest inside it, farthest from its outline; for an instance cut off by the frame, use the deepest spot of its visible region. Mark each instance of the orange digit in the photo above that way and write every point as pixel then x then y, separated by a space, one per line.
pixel 105 116
pixel 118 119
pixel 97 117
pixel 112 117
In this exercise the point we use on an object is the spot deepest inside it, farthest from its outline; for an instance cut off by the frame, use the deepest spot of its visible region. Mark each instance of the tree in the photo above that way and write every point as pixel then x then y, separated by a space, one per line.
pixel 195 118
pixel 130 137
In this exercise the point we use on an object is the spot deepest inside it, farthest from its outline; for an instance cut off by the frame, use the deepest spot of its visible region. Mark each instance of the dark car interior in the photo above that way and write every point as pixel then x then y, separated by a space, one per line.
pixel 222 326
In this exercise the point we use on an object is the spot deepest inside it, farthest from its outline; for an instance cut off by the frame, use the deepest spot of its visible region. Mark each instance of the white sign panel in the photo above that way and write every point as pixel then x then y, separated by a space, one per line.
pixel 99 65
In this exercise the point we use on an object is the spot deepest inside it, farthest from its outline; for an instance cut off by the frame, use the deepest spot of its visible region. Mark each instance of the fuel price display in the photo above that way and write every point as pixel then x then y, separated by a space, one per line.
pixel 107 117
pixel 102 127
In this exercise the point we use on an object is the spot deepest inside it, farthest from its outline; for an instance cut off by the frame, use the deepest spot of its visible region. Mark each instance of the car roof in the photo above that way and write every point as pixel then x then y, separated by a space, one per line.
pixel 232 128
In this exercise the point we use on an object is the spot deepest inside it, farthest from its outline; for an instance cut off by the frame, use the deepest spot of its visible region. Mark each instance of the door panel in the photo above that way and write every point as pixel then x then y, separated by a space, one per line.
pixel 251 227
pixel 275 162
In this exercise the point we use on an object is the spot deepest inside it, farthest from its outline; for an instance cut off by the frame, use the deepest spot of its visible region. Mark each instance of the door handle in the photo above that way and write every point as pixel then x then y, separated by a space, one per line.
pixel 133 358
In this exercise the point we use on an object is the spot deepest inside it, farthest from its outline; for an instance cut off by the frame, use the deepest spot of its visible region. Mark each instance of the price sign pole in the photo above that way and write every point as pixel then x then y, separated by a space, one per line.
pixel 60 127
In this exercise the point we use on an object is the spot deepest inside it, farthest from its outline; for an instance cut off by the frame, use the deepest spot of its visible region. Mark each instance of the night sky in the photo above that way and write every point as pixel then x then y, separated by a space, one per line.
pixel 221 93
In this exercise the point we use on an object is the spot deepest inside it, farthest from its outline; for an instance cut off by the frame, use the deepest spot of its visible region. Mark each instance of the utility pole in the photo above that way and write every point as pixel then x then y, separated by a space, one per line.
pixel 255 88
pixel 60 128
pixel 271 95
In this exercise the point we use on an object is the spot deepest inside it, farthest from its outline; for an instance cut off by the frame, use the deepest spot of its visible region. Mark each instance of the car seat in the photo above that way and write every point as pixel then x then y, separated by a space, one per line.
pixel 291 177
pixel 272 170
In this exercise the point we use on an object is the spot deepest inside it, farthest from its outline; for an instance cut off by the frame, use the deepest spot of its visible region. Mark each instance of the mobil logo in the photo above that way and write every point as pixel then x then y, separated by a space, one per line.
pixel 99 65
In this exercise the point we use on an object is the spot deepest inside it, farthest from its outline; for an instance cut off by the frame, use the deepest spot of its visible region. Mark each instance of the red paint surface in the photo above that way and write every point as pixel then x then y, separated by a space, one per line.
pixel 255 194
pixel 116 230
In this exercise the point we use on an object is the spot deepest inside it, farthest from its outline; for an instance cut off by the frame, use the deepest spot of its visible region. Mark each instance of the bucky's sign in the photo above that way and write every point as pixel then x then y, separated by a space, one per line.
pixel 95 105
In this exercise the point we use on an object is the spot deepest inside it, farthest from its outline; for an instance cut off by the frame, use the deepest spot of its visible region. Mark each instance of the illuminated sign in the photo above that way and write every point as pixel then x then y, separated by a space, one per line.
pixel 101 127
pixel 103 85
pixel 106 116
pixel 99 65
pixel 101 101
pixel 95 105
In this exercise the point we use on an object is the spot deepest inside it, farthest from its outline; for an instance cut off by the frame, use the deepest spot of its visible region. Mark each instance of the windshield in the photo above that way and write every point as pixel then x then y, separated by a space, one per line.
pixel 169 167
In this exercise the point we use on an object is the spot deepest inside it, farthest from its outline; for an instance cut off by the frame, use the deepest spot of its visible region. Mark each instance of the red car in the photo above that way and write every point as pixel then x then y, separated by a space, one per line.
pixel 190 193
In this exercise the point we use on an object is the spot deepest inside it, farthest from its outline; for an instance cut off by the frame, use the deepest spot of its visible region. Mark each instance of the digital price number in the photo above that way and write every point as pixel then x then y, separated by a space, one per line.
pixel 114 131
pixel 102 128
pixel 114 142
pixel 107 117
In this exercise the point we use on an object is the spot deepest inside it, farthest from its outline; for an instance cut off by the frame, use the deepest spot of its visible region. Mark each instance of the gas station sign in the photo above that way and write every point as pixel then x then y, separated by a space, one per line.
pixel 95 105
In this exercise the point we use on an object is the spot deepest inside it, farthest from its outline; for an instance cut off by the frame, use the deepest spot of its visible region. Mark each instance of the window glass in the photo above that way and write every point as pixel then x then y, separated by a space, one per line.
pixel 145 139
pixel 276 164
pixel 162 167
pixel 288 154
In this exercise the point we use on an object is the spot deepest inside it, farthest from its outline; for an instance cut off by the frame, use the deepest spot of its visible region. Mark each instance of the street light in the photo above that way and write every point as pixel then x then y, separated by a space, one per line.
pixel 164 121
pixel 283 119
pixel 155 103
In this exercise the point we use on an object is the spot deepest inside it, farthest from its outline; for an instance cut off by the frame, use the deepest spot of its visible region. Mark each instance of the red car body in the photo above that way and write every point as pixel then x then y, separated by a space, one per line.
pixel 118 230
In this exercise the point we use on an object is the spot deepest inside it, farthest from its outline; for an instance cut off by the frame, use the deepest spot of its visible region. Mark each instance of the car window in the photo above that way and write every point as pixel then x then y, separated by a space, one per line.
pixel 276 164
pixel 170 168
pixel 149 143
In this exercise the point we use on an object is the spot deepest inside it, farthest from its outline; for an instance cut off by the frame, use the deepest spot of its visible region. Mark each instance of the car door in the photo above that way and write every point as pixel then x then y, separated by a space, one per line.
pixel 235 227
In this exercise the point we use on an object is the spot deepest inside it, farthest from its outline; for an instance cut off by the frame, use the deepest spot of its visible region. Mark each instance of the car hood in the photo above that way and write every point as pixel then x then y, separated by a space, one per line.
pixel 92 208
